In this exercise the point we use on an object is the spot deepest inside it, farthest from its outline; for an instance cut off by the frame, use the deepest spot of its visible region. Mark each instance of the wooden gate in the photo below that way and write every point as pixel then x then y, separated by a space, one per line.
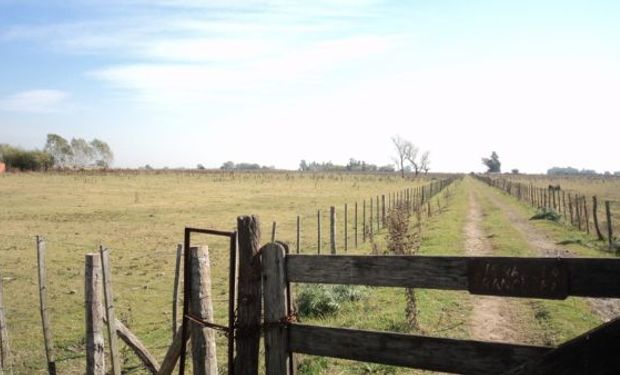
pixel 594 352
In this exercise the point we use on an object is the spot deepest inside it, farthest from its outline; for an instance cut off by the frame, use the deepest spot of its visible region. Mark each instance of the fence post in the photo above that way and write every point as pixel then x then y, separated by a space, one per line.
pixel 578 211
pixel 203 339
pixel 570 208
pixel 332 229
pixel 175 291
pixel 364 221
pixel 378 218
pixel 47 333
pixel 586 214
pixel 274 278
pixel 346 226
pixel 95 355
pixel 298 233
pixel 247 335
pixel 355 224
pixel 5 351
pixel 318 231
pixel 109 310
pixel 599 235
pixel 610 234
pixel 564 204
pixel 383 210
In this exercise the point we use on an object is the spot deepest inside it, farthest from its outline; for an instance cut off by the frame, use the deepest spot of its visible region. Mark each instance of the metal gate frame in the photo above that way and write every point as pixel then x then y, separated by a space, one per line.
pixel 232 277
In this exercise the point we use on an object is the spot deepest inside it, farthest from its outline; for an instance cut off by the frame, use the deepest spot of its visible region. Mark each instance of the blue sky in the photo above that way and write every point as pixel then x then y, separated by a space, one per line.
pixel 176 83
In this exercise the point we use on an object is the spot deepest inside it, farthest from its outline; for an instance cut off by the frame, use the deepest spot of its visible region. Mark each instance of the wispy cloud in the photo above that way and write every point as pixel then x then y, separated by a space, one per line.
pixel 36 101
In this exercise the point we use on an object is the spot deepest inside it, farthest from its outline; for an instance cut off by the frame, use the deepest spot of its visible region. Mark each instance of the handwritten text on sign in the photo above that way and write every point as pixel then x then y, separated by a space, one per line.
pixel 518 277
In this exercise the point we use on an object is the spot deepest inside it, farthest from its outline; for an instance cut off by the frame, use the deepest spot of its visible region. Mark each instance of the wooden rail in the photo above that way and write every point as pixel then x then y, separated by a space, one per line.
pixel 584 277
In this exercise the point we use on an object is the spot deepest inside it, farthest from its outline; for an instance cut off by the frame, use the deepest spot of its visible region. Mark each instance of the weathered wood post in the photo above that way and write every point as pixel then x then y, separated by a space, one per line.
pixel 297 246
pixel 45 320
pixel 586 214
pixel 356 223
pixel 247 335
pixel 383 222
pixel 564 204
pixel 599 235
pixel 332 229
pixel 346 227
pixel 95 355
pixel 578 211
pixel 370 218
pixel 273 232
pixel 5 350
pixel 175 290
pixel 364 221
pixel 204 358
pixel 570 208
pixel 610 233
pixel 318 231
pixel 109 310
pixel 274 279
pixel 378 218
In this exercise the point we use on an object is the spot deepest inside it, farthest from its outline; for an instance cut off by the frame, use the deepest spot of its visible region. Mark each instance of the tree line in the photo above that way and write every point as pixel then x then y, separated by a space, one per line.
pixel 58 153
pixel 352 166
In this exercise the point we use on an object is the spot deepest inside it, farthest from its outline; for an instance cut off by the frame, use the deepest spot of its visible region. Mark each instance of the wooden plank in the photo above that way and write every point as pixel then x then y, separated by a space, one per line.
pixel 332 230
pixel 594 352
pixel 274 279
pixel 175 291
pixel 43 309
pixel 421 352
pixel 247 334
pixel 173 353
pixel 134 343
pixel 204 357
pixel 95 355
pixel 587 277
pixel 109 310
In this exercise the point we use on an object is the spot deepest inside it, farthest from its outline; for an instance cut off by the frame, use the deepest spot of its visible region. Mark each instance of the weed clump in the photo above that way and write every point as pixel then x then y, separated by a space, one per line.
pixel 321 300
pixel 545 213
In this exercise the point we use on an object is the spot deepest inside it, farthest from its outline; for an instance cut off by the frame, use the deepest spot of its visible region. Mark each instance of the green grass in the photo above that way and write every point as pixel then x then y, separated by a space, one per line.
pixel 140 217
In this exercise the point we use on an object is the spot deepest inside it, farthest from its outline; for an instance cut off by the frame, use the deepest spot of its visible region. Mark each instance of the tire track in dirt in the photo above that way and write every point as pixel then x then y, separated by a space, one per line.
pixel 543 245
pixel 492 317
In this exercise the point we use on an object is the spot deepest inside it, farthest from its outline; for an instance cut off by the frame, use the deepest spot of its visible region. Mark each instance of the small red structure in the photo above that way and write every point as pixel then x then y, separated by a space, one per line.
pixel 2 167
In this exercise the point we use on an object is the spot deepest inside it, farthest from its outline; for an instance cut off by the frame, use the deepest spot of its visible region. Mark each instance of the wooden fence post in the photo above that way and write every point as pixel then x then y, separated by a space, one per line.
pixel 332 229
pixel 599 235
pixel 175 291
pixel 346 226
pixel 109 310
pixel 570 208
pixel 204 358
pixel 564 204
pixel 5 350
pixel 383 210
pixel 578 211
pixel 370 218
pixel 298 233
pixel 586 214
pixel 318 231
pixel 47 332
pixel 95 354
pixel 274 278
pixel 356 223
pixel 247 335
pixel 378 218
pixel 364 221
pixel 610 233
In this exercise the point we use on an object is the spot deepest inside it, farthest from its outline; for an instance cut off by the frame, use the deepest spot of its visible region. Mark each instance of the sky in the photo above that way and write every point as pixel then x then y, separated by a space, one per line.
pixel 180 82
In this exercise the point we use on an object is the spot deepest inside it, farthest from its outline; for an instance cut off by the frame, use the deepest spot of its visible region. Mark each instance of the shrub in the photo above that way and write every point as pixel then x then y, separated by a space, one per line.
pixel 322 300
pixel 546 214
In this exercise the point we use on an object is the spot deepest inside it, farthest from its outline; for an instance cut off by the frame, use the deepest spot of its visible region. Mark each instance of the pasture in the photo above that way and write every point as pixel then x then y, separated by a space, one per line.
pixel 140 217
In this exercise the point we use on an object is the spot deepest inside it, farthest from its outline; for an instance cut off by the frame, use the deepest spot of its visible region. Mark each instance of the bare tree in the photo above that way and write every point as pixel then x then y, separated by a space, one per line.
pixel 425 162
pixel 412 155
pixel 403 151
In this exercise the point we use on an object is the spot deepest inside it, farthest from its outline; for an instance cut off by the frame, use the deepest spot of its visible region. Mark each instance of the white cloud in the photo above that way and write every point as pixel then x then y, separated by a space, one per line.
pixel 36 101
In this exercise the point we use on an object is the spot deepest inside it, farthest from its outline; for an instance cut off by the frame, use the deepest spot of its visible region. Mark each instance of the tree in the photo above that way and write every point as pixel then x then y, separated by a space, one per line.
pixel 102 153
pixel 403 152
pixel 425 162
pixel 60 149
pixel 83 153
pixel 493 164
pixel 200 166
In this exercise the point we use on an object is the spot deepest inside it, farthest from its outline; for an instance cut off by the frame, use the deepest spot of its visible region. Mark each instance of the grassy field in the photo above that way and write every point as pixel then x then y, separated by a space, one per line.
pixel 140 217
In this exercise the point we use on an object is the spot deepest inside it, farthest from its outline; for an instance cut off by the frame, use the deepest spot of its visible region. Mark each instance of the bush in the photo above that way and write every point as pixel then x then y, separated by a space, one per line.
pixel 17 158
pixel 322 300
pixel 546 214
